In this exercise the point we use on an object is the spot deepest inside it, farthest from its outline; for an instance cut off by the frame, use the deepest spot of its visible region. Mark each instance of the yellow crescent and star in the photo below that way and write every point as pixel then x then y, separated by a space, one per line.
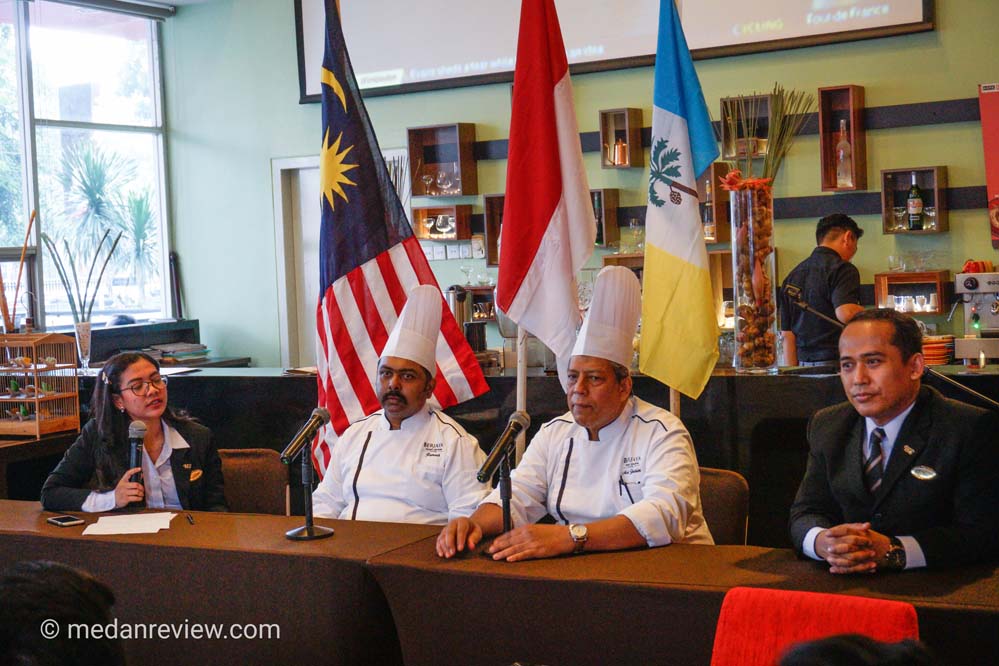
pixel 332 167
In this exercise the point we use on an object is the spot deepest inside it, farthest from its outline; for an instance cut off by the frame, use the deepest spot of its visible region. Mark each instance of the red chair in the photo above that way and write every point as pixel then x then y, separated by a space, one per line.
pixel 756 625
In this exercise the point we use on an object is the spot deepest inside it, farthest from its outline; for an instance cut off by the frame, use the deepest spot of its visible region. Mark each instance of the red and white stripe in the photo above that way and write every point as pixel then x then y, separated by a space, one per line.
pixel 548 230
pixel 354 319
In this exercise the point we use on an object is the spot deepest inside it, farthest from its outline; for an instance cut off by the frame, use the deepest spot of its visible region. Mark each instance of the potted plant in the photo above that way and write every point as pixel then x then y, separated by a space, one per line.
pixel 81 302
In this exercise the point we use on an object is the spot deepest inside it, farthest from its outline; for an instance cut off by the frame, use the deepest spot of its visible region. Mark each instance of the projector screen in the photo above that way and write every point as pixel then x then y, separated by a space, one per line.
pixel 401 46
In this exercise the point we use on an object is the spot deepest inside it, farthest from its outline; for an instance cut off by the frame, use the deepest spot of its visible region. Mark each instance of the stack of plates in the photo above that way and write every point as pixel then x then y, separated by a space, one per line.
pixel 938 349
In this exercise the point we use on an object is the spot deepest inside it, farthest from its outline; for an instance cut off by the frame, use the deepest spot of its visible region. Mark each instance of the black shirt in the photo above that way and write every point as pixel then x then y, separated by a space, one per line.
pixel 826 282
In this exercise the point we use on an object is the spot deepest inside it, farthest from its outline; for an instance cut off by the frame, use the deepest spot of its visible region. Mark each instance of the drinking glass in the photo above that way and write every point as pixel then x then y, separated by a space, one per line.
pixel 427 178
pixel 895 263
pixel 930 213
pixel 900 215
pixel 444 182
pixel 921 303
pixel 467 270
pixel 899 302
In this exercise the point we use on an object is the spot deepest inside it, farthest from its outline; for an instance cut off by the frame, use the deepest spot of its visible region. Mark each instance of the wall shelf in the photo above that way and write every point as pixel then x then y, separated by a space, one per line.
pixel 492 205
pixel 714 204
pixel 621 138
pixel 840 104
pixel 443 223
pixel 605 213
pixel 895 185
pixel 910 286
pixel 733 143
pixel 442 160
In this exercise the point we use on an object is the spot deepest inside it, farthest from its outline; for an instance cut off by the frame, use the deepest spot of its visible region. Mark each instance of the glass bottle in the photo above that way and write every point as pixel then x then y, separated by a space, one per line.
pixel 914 206
pixel 844 158
pixel 708 221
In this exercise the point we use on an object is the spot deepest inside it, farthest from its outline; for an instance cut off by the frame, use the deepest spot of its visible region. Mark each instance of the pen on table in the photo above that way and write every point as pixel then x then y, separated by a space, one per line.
pixel 190 519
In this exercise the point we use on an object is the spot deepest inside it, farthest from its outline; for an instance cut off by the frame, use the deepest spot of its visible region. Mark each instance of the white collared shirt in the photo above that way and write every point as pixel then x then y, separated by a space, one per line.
pixel 643 467
pixel 157 478
pixel 914 557
pixel 422 473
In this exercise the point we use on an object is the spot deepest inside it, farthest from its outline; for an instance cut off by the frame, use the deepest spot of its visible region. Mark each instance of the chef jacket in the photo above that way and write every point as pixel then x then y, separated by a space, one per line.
pixel 422 473
pixel 644 468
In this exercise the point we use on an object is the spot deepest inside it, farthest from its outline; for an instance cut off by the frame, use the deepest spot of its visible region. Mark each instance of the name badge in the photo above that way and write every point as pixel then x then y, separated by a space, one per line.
pixel 923 473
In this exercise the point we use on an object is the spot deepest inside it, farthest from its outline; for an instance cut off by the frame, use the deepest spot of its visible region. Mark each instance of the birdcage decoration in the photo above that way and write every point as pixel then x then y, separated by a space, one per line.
pixel 38 385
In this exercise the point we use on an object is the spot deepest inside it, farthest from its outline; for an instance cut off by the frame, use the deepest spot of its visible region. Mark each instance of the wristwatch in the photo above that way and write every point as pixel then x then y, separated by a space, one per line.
pixel 895 557
pixel 579 535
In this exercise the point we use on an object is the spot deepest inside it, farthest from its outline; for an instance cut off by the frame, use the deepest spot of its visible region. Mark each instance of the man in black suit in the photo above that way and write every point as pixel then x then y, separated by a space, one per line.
pixel 900 477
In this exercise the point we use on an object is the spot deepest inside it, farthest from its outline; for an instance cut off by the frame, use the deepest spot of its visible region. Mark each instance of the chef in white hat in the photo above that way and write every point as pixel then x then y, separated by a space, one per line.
pixel 615 471
pixel 409 462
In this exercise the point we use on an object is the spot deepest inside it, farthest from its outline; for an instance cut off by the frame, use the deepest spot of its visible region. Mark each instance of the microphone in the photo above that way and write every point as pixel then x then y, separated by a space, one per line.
pixel 320 417
pixel 136 436
pixel 518 422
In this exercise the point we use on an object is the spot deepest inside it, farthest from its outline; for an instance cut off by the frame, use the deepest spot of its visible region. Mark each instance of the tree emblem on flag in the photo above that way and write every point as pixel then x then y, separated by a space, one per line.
pixel 664 169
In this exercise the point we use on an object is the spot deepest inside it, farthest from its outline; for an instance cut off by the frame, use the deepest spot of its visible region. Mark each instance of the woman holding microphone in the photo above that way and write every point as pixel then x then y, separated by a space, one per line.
pixel 180 465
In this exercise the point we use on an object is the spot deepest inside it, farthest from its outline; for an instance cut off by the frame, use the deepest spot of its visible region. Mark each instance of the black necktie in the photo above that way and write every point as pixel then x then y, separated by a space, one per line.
pixel 872 466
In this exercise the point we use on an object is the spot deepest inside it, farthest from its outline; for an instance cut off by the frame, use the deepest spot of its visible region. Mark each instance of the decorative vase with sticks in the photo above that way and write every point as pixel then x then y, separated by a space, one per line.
pixel 81 301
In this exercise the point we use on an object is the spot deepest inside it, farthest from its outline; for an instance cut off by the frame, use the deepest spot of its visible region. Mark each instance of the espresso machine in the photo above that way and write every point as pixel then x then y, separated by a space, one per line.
pixel 979 292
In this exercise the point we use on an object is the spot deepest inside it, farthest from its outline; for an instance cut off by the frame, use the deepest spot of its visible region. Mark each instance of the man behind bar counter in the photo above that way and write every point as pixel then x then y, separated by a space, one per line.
pixel 615 471
pixel 899 477
pixel 830 284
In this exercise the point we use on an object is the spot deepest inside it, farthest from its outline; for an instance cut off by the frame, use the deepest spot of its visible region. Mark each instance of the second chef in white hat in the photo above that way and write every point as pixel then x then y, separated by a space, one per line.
pixel 615 471
pixel 409 462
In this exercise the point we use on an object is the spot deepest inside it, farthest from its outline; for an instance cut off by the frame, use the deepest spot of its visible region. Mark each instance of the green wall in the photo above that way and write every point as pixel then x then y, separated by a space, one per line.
pixel 231 79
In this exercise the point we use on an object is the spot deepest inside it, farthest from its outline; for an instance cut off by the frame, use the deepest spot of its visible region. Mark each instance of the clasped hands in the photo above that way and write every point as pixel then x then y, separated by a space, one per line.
pixel 852 548
pixel 522 543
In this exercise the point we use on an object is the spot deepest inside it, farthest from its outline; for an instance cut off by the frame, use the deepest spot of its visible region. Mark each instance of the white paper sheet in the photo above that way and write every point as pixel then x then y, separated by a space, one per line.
pixel 139 523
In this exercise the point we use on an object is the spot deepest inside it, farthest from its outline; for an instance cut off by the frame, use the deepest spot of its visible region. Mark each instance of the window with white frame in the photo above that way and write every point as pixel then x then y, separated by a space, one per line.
pixel 91 120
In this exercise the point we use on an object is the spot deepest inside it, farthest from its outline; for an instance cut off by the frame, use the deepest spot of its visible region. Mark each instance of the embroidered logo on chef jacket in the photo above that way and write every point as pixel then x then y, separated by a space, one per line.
pixel 433 449
pixel 631 465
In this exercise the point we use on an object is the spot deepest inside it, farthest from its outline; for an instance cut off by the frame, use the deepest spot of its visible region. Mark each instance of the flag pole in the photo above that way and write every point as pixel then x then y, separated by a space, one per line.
pixel 521 387
pixel 674 402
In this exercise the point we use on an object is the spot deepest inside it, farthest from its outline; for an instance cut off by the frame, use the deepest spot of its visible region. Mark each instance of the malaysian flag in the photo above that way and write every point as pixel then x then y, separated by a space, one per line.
pixel 369 260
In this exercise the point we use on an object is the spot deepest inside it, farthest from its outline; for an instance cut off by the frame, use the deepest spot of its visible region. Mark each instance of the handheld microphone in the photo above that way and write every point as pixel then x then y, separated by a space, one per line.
pixel 136 436
pixel 518 422
pixel 320 417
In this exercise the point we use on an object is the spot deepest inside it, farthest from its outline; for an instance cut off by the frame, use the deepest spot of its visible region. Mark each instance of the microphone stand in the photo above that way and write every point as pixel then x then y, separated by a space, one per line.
pixel 795 294
pixel 309 531
pixel 506 491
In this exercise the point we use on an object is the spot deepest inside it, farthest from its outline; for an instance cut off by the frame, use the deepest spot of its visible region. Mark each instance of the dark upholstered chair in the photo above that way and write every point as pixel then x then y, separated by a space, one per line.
pixel 256 481
pixel 725 500
pixel 756 625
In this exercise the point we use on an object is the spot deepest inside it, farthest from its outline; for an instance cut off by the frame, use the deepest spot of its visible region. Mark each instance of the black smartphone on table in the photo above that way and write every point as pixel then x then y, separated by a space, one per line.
pixel 64 521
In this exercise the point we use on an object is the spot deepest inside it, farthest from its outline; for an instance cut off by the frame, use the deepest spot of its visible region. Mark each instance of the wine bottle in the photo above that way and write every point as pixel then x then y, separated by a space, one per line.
pixel 914 205
pixel 844 158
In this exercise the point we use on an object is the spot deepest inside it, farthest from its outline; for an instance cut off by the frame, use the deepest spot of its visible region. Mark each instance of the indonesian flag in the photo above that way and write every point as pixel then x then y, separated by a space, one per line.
pixel 679 344
pixel 548 226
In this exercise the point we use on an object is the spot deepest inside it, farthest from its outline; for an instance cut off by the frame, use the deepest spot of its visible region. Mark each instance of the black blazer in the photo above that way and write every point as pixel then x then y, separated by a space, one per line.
pixel 75 476
pixel 954 516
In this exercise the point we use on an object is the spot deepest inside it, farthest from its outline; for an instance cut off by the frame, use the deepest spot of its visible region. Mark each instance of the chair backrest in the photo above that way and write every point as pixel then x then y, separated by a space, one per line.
pixel 725 501
pixel 256 481
pixel 757 625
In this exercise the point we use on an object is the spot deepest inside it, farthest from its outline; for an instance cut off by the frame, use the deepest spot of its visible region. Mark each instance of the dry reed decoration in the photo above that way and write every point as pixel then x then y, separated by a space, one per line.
pixel 752 219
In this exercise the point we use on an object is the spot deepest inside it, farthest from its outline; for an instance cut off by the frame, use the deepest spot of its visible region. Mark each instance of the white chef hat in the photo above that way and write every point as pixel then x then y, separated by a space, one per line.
pixel 414 336
pixel 610 324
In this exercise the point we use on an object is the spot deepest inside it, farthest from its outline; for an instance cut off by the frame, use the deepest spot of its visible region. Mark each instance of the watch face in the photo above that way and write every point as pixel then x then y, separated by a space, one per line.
pixel 578 532
pixel 896 558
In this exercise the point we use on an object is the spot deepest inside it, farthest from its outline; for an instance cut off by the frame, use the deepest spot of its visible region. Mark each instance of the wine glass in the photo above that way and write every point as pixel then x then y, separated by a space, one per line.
pixel 931 217
pixel 444 182
pixel 921 303
pixel 467 270
pixel 445 224
pixel 427 178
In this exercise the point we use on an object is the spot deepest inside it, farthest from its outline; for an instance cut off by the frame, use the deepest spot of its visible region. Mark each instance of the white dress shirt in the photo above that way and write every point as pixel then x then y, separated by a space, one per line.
pixel 157 478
